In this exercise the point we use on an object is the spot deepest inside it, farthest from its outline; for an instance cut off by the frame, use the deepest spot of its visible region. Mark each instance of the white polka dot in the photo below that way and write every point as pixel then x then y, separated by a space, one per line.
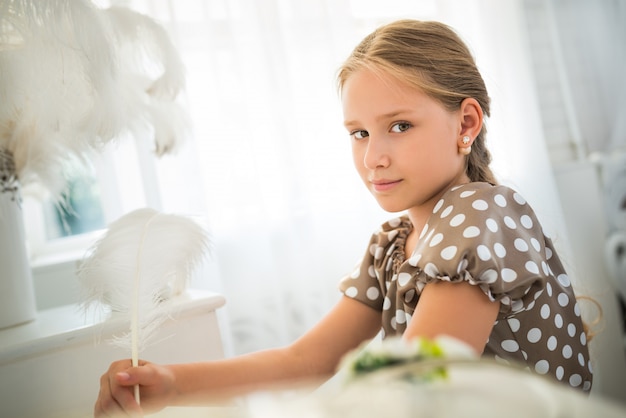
pixel 526 221
pixel 545 311
pixel 431 270
pixel 508 275
pixel 583 338
pixel 449 252
pixel 520 245
pixel 500 200
pixel 581 359
pixel 492 225
pixel 392 235
pixel 467 193
pixel 564 280
pixel 587 386
pixel 549 289
pixel 508 221
pixel 386 303
pixel 457 220
pixel 532 267
pixel 424 229
pixel 571 330
pixel 537 294
pixel 560 372
pixel 438 206
pixel 535 243
pixel 552 343
pixel 534 335
pixel 400 317
pixel 517 305
pixel 446 211
pixel 576 309
pixel 567 351
pixel 371 271
pixel 379 253
pixel 545 268
pixel 575 380
pixel 471 232
pixel 519 199
pixel 483 252
pixel 480 204
pixel 563 299
pixel 356 273
pixel 393 324
pixel 462 265
pixel 415 258
pixel 499 249
pixel 436 240
pixel 489 276
pixel 351 292
pixel 373 293
pixel 510 345
pixel 403 279
pixel 514 324
pixel 548 253
pixel 542 366
pixel 395 222
pixel 558 321
pixel 409 295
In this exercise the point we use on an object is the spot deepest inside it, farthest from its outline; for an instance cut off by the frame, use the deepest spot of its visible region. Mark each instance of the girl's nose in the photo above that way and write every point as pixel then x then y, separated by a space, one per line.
pixel 376 154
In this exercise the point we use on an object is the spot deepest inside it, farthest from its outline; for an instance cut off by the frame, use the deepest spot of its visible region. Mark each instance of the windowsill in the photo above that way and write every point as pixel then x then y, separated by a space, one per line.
pixel 68 325
pixel 64 251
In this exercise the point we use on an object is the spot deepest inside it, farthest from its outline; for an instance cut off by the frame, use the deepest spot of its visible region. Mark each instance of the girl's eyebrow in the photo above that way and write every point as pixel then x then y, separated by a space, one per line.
pixel 385 116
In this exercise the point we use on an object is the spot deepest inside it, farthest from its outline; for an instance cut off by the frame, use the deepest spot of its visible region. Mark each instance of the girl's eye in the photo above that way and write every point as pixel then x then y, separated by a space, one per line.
pixel 400 127
pixel 359 134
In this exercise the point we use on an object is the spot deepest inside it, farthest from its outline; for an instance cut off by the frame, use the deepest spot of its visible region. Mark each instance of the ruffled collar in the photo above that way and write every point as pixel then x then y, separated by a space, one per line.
pixel 396 231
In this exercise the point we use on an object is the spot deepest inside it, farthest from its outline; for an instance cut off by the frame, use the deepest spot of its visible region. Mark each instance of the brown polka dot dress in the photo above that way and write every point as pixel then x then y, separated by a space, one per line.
pixel 489 237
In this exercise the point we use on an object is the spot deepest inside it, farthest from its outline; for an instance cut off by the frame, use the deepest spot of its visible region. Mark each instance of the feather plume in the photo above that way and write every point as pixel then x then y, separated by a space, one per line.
pixel 74 77
pixel 145 258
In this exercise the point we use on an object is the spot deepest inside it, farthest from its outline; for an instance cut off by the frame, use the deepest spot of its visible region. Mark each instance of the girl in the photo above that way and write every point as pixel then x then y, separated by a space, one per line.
pixel 468 258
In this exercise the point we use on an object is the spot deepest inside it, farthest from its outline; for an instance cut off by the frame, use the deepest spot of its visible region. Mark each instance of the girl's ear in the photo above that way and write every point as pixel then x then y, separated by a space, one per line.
pixel 471 118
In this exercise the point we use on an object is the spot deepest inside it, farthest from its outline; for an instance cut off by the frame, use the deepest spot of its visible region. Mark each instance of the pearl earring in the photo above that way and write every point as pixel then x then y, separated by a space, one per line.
pixel 465 150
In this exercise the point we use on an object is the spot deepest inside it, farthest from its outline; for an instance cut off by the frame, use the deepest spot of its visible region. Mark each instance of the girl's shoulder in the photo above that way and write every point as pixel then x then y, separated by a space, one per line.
pixel 481 200
pixel 498 194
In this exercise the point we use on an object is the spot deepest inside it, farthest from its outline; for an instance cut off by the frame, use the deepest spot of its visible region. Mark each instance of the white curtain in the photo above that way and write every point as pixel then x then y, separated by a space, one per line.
pixel 593 36
pixel 269 165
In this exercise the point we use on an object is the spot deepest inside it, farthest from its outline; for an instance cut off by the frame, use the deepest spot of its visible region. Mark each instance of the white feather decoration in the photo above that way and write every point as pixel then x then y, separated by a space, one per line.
pixel 145 258
pixel 74 77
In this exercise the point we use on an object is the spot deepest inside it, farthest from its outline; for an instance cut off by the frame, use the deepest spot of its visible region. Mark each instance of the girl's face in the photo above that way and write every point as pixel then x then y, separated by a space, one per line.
pixel 404 143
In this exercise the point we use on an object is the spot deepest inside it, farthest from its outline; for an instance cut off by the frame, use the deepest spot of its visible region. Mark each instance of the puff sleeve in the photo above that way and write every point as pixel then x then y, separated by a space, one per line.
pixel 488 236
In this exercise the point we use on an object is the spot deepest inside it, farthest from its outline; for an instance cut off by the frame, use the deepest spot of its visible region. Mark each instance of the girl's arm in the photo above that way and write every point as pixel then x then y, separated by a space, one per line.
pixel 313 356
pixel 460 310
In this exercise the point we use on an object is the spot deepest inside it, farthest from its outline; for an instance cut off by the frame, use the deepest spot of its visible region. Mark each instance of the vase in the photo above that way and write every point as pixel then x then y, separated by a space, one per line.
pixel 17 297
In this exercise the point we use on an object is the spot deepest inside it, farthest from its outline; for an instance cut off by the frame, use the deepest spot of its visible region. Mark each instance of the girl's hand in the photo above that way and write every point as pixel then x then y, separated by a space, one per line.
pixel 116 397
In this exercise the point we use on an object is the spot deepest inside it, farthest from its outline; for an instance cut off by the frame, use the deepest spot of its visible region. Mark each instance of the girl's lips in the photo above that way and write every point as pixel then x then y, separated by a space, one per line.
pixel 384 185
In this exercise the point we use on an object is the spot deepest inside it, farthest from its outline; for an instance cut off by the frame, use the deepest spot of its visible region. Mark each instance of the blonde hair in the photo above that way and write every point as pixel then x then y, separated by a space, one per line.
pixel 433 58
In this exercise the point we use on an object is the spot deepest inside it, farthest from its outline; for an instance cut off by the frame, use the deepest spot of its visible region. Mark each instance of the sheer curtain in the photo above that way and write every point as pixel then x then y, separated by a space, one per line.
pixel 269 165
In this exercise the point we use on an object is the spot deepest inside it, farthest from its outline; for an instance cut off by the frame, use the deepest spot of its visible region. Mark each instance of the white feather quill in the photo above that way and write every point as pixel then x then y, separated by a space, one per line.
pixel 144 259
